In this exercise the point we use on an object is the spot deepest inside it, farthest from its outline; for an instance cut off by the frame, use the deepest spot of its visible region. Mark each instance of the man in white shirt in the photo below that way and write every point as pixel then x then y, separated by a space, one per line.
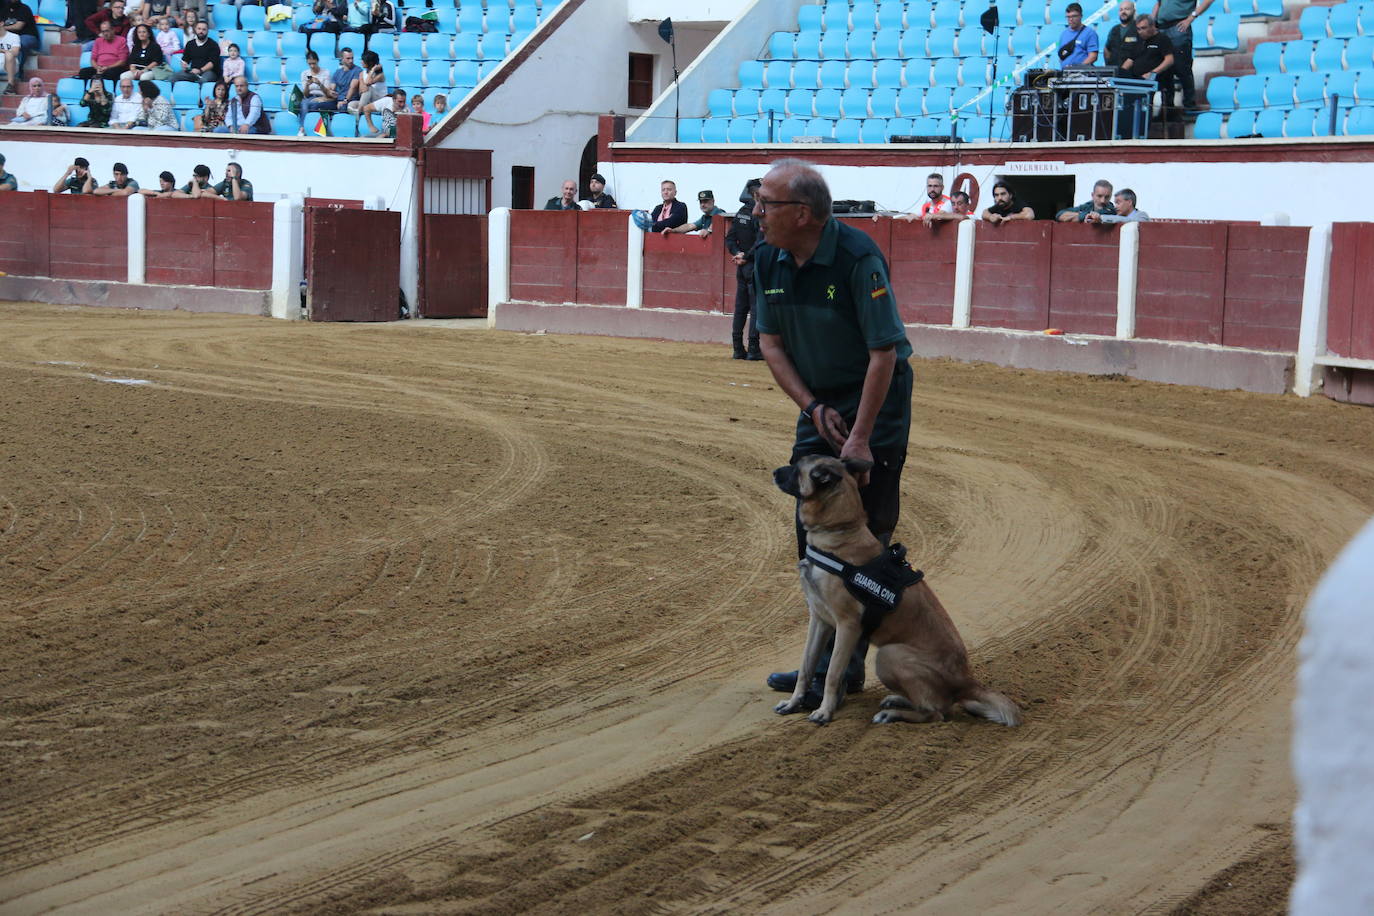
pixel 127 107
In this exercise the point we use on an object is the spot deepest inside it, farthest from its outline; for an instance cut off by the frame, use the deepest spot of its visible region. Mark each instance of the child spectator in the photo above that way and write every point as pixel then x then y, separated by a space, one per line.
pixel 417 106
pixel 234 64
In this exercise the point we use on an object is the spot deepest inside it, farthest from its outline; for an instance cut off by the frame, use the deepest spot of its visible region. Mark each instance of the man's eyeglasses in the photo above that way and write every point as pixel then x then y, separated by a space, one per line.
pixel 762 205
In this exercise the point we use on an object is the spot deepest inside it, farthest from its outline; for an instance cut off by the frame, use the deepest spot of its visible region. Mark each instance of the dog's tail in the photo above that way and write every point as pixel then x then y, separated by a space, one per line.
pixel 991 705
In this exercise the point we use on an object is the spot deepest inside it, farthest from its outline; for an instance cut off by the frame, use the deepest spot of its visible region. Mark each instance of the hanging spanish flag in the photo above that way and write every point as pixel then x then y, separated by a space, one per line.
pixel 321 128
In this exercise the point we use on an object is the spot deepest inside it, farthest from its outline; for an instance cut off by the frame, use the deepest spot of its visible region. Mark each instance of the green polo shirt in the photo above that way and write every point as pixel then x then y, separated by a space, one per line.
pixel 830 313
pixel 225 189
pixel 7 179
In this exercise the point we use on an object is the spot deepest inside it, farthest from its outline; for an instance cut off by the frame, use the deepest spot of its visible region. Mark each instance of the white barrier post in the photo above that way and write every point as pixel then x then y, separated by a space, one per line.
pixel 137 238
pixel 288 256
pixel 963 274
pixel 498 261
pixel 1127 268
pixel 634 265
pixel 1316 293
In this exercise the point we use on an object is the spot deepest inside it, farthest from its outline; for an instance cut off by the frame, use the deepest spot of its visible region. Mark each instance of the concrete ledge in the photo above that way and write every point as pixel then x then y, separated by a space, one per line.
pixel 1152 360
pixel 135 296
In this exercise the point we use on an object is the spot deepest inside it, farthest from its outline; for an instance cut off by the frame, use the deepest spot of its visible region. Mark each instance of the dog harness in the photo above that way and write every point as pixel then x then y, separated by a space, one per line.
pixel 878 584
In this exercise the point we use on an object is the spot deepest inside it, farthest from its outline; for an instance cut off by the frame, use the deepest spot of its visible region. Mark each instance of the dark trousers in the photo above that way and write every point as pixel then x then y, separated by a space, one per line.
pixel 89 73
pixel 1182 70
pixel 77 13
pixel 744 309
pixel 882 500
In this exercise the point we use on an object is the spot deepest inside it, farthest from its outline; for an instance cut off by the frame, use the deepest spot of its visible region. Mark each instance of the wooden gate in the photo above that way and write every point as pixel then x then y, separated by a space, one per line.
pixel 453 260
pixel 353 264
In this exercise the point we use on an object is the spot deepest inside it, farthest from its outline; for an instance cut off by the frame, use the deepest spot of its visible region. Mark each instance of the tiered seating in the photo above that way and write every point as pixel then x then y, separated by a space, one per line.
pixel 1290 92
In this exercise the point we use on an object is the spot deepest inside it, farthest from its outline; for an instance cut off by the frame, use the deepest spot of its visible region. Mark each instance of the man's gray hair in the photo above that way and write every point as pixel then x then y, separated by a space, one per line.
pixel 806 184
pixel 1102 183
pixel 1128 194
pixel 1145 17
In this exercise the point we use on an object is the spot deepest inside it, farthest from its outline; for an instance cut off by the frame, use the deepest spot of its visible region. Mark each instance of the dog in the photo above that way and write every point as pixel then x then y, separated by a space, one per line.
pixel 920 654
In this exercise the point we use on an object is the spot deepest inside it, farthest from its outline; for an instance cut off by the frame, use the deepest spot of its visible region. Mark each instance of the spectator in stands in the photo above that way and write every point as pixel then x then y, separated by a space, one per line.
pixel 234 65
pixel 1121 40
pixel 153 10
pixel 7 181
pixel 127 107
pixel 21 31
pixel 167 187
pixel 97 103
pixel 959 210
pixel 1077 43
pixel 599 199
pixel 417 107
pixel 381 17
pixel 740 240
pixel 114 15
pixel 1101 204
pixel 121 186
pixel 200 59
pixel 169 40
pixel 936 201
pixel 1005 207
pixel 77 13
pixel 234 186
pixel 671 213
pixel 9 48
pixel 213 109
pixel 1176 18
pixel 316 85
pixel 245 113
pixel 198 186
pixel 391 107
pixel 701 226
pixel 1153 57
pixel 330 16
pixel 186 13
pixel 188 25
pixel 77 179
pixel 109 56
pixel 1126 211
pixel 158 112
pixel 145 54
pixel 38 107
pixel 369 88
pixel 341 82
pixel 135 20
pixel 565 201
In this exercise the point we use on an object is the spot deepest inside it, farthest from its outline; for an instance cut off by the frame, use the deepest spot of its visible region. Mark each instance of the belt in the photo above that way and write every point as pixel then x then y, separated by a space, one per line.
pixel 1168 25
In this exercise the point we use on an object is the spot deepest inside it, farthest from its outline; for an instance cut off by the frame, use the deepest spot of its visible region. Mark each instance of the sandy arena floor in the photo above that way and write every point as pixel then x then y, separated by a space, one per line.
pixel 348 618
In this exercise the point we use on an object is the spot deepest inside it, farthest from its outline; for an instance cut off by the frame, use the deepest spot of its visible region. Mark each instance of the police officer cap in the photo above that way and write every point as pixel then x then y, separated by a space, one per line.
pixel 705 195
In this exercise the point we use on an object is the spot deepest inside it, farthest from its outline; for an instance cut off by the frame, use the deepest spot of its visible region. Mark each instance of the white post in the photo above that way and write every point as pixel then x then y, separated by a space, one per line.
pixel 1316 294
pixel 963 274
pixel 137 238
pixel 634 265
pixel 288 256
pixel 1127 267
pixel 1277 218
pixel 498 261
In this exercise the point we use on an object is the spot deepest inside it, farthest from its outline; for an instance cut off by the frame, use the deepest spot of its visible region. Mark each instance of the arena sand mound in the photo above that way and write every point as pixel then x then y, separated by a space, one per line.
pixel 347 618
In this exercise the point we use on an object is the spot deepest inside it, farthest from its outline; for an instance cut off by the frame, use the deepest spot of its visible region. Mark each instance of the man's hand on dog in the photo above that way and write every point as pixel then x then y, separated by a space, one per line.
pixel 853 448
pixel 830 425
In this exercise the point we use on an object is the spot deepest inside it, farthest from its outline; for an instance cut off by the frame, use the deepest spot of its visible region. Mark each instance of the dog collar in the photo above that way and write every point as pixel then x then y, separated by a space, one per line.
pixel 877 584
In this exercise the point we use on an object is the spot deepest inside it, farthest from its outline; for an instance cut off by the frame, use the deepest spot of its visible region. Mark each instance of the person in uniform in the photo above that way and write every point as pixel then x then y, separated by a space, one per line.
pixel 599 198
pixel 740 239
pixel 830 332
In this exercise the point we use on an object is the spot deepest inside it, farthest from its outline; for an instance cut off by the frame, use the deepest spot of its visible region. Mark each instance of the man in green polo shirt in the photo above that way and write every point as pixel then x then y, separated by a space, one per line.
pixel 830 332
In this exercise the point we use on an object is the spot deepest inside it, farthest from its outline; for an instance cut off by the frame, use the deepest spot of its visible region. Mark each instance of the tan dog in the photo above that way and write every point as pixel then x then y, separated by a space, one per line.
pixel 920 654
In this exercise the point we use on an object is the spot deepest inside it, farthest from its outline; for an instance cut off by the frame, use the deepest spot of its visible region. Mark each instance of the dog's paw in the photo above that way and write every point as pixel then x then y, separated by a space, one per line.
pixel 820 717
pixel 895 701
pixel 787 707
pixel 887 718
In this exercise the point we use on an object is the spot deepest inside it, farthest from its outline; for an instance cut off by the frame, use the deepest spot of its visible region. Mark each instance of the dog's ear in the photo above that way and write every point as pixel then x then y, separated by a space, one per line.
pixel 857 466
pixel 823 476
pixel 786 479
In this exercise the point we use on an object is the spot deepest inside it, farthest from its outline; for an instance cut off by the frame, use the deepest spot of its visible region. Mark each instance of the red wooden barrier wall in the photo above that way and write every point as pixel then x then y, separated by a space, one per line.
pixel 87 237
pixel 921 263
pixel 455 261
pixel 1264 278
pixel 1181 281
pixel 543 256
pixel 601 256
pixel 1011 275
pixel 24 233
pixel 1350 315
pixel 243 244
pixel 1084 262
pixel 686 272
pixel 180 240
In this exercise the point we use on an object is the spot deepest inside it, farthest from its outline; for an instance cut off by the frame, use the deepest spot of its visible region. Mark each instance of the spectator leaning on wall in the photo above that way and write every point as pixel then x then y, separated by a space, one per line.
pixel 234 186
pixel 7 181
pixel 702 224
pixel 1126 211
pixel 77 179
pixel 1005 207
pixel 198 186
pixel 671 213
pixel 167 186
pixel 121 186
pixel 599 199
pixel 1101 203
pixel 567 200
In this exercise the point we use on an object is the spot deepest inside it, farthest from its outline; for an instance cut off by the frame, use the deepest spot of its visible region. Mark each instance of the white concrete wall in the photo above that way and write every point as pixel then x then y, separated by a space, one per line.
pixel 1309 192
pixel 274 174
pixel 685 11
pixel 547 110
pixel 1333 743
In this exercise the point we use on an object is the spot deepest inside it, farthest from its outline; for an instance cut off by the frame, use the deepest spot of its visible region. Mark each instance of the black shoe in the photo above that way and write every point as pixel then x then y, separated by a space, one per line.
pixel 754 355
pixel 739 354
pixel 786 682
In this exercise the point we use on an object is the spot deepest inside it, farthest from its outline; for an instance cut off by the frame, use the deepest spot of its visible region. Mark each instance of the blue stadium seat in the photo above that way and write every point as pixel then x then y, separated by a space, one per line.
pixel 860 74
pixel 919 14
pixel 1221 94
pixel 1343 21
pixel 1036 13
pixel 1300 123
pixel 224 16
pixel 801 103
pixel 740 130
pixel 887 43
pixel 447 20
pixel 962 100
pixel 1240 124
pixel 847 130
pixel 1023 40
pixel 434 91
pixel 898 127
pixel 874 130
pixel 245 42
pixel 916 42
pixel 465 46
pixel 1250 91
pixel 832 74
pixel 1278 91
pixel 1269 122
pixel 860 44
pixel 809 19
pixel 791 129
pixel 973 130
pixel 833 45
pixel 946 72
pixel 1297 56
pixel 186 95
pixel 252 17
pixel 820 127
pixel 464 74
pixel 828 103
pixel 1225 32
pixel 927 125
pixel 911 102
pixel 1008 14
pixel 1273 8
pixel 1366 19
pixel 937 101
pixel 969 42
pixel 720 103
pixel 778 74
pixel 493 45
pixel 1360 123
pixel 854 103
pixel 888 74
pixel 409 73
pixel 883 102
pixel 948 14
pixel 1208 126
pixel 343 124
pixel 746 103
pixel 292 68
pixel 917 73
pixel 891 14
pixel 995 102
pixel 1359 53
pixel 835 16
pixel 409 45
pixel 1329 54
pixel 975 71
pixel 805 74
pixel 1312 23
pixel 773 100
pixel 689 130
pixel 285 124
pixel 715 130
pixel 470 18
pixel 751 74
pixel 70 90
pixel 807 46
pixel 524 18
pixel 941 43
pixel 864 15
pixel 1310 90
